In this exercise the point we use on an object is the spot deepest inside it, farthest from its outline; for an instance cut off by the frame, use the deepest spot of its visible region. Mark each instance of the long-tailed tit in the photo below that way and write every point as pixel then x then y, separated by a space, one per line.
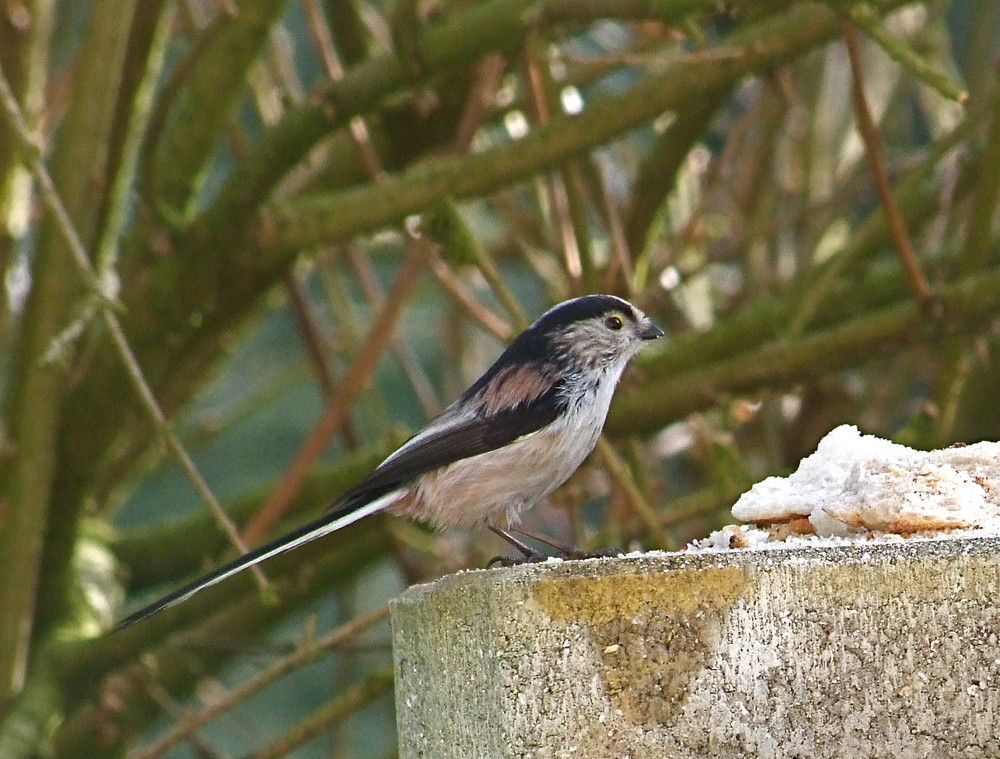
pixel 517 434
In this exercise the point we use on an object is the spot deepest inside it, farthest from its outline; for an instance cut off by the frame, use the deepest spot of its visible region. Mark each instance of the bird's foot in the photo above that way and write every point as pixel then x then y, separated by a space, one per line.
pixel 528 554
pixel 515 561
pixel 531 556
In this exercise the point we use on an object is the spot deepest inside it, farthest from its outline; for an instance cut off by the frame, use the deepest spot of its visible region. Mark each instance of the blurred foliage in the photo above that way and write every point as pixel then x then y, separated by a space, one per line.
pixel 318 220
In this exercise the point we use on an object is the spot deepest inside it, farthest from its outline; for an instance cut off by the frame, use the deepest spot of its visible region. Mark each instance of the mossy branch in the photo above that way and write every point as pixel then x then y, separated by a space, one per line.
pixel 37 385
pixel 968 305
pixel 195 118
pixel 461 38
pixel 304 222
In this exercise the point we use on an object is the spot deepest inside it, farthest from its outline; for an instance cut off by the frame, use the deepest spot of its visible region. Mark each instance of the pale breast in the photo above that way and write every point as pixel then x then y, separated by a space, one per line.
pixel 506 480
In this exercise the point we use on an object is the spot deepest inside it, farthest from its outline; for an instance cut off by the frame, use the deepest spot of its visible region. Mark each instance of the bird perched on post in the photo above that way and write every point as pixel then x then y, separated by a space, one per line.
pixel 512 438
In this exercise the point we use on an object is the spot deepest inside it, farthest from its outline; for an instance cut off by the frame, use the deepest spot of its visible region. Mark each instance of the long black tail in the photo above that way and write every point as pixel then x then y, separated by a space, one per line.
pixel 326 524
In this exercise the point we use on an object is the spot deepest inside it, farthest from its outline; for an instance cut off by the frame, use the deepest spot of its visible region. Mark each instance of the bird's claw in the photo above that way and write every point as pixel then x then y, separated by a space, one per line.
pixel 514 561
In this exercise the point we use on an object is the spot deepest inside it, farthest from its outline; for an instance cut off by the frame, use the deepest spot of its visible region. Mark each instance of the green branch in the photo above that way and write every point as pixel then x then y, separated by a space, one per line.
pixel 143 60
pixel 212 84
pixel 37 386
pixel 457 40
pixel 969 306
pixel 302 223
pixel 224 612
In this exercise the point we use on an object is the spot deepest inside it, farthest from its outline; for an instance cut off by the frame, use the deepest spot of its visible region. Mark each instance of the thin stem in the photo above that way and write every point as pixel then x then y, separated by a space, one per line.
pixel 358 376
pixel 369 284
pixel 623 478
pixel 330 714
pixel 869 20
pixel 465 300
pixel 876 160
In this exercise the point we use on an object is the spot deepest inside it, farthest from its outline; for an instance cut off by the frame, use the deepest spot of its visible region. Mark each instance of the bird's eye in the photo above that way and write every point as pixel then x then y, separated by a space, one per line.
pixel 614 322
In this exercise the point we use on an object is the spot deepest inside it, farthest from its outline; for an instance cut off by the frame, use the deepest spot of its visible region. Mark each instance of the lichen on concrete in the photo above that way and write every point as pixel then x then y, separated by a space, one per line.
pixel 868 650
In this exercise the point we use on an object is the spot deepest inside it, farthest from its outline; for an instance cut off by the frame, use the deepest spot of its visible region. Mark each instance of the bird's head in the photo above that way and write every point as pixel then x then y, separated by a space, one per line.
pixel 595 331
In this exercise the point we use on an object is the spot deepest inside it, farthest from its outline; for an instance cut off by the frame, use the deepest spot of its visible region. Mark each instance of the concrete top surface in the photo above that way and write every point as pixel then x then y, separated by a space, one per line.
pixel 870 649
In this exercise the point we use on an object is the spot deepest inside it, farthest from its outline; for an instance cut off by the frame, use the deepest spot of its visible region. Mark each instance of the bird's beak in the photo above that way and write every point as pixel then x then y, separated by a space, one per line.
pixel 650 331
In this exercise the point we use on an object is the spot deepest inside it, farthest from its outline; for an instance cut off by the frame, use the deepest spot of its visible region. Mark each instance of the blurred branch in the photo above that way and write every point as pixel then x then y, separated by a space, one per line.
pixel 869 20
pixel 622 478
pixel 368 154
pixel 658 173
pixel 142 64
pixel 458 39
pixel 338 406
pixel 82 260
pixel 986 194
pixel 148 40
pixel 196 115
pixel 307 653
pixel 968 306
pixel 24 53
pixel 566 201
pixel 358 377
pixel 955 365
pixel 335 711
pixel 35 387
pixel 308 327
pixel 465 301
pixel 105 678
pixel 444 224
pixel 298 223
pixel 172 550
pixel 917 198
pixel 405 355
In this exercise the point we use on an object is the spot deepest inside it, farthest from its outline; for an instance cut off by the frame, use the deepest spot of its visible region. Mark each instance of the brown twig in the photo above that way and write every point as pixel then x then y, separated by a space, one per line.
pixel 620 268
pixel 488 74
pixel 876 160
pixel 315 346
pixel 354 381
pixel 464 300
pixel 358 376
pixel 368 282
pixel 305 320
pixel 619 472
pixel 334 712
pixel 557 182
pixel 178 714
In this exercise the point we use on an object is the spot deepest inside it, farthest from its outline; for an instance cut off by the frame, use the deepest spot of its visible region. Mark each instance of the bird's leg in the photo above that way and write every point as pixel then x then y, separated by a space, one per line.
pixel 529 555
pixel 568 551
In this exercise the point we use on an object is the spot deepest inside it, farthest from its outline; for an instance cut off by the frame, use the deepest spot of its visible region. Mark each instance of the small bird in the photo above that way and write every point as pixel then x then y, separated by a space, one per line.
pixel 512 438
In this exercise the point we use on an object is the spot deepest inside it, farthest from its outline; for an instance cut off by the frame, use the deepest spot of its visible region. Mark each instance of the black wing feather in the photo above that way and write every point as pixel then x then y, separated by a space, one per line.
pixel 478 433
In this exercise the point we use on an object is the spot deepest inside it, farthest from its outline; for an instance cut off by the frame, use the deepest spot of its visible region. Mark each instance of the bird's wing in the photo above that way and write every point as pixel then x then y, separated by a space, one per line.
pixel 476 425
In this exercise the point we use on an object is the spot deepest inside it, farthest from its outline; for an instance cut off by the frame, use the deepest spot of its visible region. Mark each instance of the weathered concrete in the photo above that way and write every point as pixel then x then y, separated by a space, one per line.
pixel 876 650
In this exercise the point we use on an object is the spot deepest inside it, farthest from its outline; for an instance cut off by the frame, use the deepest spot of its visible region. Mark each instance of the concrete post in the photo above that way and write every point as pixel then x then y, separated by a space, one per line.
pixel 865 650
